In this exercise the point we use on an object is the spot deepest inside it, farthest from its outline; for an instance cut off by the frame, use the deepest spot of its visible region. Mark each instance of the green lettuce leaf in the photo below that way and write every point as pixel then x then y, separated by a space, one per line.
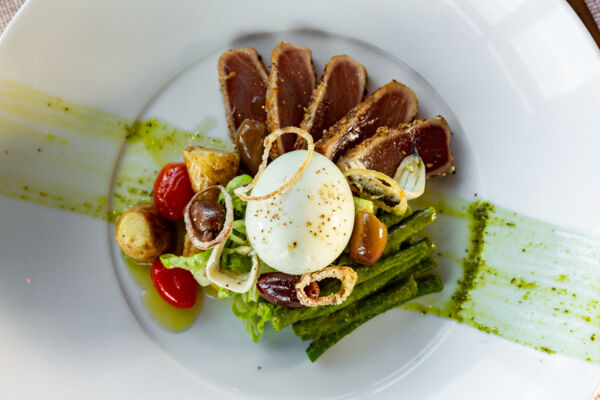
pixel 239 205
pixel 223 293
pixel 238 234
pixel 240 180
pixel 196 264
pixel 236 263
pixel 253 312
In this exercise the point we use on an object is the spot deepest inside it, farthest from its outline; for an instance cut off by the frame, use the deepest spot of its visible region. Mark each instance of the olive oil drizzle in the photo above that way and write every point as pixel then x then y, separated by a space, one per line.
pixel 171 318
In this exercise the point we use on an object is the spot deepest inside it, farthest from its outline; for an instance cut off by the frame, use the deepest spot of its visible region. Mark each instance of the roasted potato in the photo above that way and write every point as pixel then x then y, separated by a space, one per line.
pixel 142 233
pixel 208 167
pixel 188 248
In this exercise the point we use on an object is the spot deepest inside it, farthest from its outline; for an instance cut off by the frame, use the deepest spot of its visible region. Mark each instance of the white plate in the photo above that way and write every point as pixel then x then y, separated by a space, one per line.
pixel 519 82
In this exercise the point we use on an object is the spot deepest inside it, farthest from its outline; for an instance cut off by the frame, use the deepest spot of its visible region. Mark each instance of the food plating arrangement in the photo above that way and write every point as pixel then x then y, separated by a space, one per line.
pixel 307 222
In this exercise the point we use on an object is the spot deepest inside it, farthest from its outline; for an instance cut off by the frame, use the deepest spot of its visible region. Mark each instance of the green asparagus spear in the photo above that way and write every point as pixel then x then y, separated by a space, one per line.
pixel 306 328
pixel 408 228
pixel 311 329
pixel 427 285
pixel 390 219
pixel 416 251
pixel 408 257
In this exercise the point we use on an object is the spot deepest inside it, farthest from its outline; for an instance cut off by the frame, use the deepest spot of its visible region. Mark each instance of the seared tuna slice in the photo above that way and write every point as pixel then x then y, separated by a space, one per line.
pixel 291 85
pixel 389 106
pixel 385 151
pixel 243 79
pixel 341 88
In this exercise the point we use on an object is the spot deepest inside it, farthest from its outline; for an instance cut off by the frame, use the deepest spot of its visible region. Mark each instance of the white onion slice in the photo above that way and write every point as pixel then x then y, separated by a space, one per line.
pixel 227 224
pixel 385 186
pixel 411 177
pixel 238 283
pixel 268 143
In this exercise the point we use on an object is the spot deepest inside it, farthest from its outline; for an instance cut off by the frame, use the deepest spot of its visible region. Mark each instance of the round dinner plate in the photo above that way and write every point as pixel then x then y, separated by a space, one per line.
pixel 518 81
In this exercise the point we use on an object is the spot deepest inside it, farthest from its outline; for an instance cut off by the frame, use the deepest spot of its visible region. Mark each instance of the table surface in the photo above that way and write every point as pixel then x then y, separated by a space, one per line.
pixel 589 13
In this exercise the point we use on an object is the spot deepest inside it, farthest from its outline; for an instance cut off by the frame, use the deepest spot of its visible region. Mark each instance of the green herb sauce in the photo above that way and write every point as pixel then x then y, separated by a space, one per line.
pixel 522 279
pixel 479 212
pixel 60 154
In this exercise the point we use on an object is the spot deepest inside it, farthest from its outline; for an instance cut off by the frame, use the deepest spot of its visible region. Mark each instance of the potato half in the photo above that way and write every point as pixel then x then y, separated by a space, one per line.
pixel 142 233
pixel 188 248
pixel 208 167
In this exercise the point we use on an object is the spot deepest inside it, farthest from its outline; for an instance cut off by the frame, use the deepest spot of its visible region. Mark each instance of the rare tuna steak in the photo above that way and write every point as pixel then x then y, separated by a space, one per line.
pixel 389 106
pixel 291 84
pixel 341 88
pixel 385 151
pixel 243 79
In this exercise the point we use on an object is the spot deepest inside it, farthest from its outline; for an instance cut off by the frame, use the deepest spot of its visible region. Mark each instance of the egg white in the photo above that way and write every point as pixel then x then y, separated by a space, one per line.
pixel 308 226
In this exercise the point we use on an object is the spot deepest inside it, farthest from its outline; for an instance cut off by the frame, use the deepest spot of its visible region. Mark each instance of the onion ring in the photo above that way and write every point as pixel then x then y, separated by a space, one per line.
pixel 268 143
pixel 227 225
pixel 346 275
pixel 393 189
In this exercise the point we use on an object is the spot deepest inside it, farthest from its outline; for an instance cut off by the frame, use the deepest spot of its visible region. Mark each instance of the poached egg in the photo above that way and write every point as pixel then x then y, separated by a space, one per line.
pixel 305 228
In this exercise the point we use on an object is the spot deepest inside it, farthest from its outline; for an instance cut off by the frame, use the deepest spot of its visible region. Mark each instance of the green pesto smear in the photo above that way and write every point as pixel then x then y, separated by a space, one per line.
pixel 60 154
pixel 480 213
pixel 163 142
pixel 149 146
pixel 525 280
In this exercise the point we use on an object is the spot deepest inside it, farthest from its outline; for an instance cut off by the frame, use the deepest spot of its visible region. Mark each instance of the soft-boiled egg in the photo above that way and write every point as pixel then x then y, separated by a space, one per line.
pixel 306 227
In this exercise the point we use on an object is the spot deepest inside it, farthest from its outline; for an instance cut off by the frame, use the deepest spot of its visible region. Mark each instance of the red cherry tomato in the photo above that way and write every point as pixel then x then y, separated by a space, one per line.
pixel 172 191
pixel 177 286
